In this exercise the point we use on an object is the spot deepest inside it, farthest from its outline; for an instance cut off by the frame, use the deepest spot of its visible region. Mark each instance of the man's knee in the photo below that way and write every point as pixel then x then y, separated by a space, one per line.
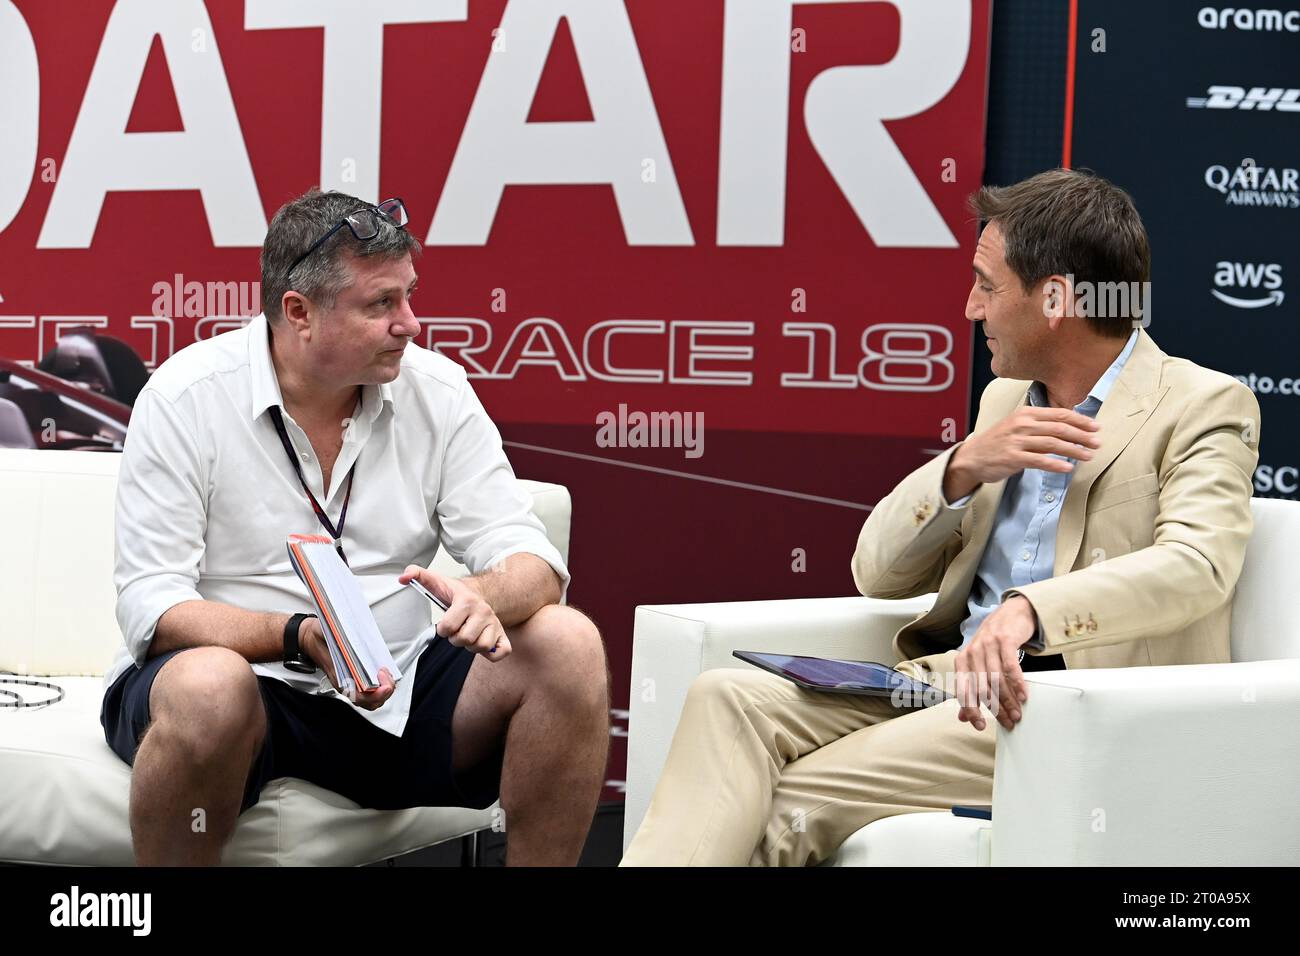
pixel 206 701
pixel 569 647
pixel 733 685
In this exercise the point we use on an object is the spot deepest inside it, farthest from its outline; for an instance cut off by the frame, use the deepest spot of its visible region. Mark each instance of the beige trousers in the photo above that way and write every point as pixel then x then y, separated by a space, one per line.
pixel 763 772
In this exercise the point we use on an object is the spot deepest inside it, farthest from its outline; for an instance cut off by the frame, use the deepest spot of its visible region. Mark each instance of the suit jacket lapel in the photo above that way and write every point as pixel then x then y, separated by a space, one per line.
pixel 1132 399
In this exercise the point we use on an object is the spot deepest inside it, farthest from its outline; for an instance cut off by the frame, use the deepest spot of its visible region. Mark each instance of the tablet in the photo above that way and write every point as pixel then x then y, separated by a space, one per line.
pixel 835 676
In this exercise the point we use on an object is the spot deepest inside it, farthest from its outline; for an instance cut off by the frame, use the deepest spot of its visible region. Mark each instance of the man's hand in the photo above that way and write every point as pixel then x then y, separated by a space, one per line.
pixel 988 668
pixel 469 620
pixel 1027 438
pixel 312 641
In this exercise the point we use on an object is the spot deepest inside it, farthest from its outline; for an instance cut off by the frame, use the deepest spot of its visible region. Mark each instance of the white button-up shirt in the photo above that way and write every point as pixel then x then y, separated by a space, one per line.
pixel 207 497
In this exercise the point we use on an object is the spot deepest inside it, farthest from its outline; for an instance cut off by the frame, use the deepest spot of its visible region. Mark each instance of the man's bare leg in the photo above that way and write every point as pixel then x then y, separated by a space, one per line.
pixel 550 701
pixel 207 726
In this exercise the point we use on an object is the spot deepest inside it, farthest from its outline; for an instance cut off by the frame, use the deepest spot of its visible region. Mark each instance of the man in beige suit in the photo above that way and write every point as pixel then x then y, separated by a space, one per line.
pixel 1134 566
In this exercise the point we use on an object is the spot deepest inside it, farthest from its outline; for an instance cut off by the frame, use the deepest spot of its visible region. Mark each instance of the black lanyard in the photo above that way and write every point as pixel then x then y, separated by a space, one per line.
pixel 320 512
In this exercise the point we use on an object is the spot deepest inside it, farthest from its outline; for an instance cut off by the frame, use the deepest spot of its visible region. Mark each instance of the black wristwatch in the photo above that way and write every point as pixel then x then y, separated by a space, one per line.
pixel 294 658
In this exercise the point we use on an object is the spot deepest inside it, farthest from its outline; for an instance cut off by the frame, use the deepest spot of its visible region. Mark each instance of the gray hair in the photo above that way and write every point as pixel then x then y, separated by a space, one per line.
pixel 323 274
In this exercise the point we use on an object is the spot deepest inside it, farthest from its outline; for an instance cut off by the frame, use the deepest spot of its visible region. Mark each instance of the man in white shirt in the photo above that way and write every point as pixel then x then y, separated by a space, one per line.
pixel 320 416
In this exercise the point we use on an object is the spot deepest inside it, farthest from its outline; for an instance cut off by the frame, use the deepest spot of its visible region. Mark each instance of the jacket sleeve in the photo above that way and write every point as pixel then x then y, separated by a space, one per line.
pixel 910 537
pixel 1202 528
pixel 914 533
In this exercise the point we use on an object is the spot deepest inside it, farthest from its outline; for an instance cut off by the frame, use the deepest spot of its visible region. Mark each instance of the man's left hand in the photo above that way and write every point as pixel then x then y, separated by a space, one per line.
pixel 988 668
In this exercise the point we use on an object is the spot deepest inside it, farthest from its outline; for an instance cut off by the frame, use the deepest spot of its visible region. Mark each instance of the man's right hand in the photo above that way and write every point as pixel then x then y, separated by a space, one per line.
pixel 1027 438
pixel 312 641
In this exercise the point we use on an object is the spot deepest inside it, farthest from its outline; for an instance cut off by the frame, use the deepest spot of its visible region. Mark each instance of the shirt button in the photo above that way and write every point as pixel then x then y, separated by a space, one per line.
pixel 1049 497
pixel 306 457
pixel 1024 555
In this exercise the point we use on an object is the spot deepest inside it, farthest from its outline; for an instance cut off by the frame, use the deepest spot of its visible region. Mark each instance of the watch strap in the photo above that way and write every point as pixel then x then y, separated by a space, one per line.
pixel 293 654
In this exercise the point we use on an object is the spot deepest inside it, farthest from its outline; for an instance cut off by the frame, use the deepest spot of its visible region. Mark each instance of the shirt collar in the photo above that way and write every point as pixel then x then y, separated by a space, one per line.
pixel 1100 391
pixel 266 386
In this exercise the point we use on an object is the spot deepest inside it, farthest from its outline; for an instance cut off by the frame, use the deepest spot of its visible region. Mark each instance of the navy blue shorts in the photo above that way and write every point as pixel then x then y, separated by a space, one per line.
pixel 327 743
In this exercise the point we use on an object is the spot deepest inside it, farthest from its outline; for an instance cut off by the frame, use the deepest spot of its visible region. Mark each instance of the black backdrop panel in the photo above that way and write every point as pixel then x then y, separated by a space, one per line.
pixel 1214 175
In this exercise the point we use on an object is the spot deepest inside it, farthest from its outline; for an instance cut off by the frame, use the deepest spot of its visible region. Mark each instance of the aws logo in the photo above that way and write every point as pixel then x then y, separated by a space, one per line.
pixel 1265 277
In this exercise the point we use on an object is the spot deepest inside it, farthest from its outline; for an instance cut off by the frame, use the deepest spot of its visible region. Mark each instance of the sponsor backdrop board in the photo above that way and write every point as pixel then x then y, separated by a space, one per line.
pixel 750 215
pixel 1195 110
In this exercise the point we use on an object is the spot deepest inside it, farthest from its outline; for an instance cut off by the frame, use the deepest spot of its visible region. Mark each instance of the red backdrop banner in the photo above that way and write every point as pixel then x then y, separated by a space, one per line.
pixel 749 213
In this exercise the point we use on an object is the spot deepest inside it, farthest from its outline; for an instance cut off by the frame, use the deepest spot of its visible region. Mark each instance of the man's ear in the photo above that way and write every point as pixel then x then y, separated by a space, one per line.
pixel 296 309
pixel 1058 299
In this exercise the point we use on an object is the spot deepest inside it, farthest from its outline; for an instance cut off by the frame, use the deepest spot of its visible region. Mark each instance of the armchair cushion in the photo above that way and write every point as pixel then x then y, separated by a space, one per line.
pixel 1181 765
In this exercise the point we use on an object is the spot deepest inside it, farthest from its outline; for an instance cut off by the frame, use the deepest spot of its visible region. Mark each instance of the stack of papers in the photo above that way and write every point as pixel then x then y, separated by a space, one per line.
pixel 356 646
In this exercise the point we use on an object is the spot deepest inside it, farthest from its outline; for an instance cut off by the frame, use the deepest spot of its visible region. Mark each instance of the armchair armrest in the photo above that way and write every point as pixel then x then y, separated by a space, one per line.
pixel 672 644
pixel 1189 765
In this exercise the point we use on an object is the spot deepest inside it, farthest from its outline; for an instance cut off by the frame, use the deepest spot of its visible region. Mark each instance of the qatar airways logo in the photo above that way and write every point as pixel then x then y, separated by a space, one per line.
pixel 1252 185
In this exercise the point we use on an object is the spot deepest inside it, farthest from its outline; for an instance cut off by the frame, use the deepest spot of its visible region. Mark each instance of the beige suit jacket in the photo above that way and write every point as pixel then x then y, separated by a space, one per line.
pixel 1152 530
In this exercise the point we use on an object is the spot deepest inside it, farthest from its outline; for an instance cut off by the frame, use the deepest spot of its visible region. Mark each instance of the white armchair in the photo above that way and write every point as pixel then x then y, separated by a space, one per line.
pixel 63 792
pixel 1194 765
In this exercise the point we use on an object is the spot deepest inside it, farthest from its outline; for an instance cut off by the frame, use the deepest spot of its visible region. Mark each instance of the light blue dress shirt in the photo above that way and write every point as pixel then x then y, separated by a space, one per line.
pixel 1022 548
